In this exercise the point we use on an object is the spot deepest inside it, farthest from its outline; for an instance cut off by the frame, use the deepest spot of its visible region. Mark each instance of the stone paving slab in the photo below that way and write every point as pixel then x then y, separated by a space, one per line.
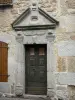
pixel 21 99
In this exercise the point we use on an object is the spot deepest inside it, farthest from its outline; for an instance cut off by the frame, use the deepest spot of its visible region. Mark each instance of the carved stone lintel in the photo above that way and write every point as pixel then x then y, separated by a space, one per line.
pixel 34 32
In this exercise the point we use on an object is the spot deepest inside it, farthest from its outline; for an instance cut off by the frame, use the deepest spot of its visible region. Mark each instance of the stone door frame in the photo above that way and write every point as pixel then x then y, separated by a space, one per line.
pixel 49 41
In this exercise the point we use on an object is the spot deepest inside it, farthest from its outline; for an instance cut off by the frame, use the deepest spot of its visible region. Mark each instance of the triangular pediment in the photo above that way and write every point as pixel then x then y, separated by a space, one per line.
pixel 27 21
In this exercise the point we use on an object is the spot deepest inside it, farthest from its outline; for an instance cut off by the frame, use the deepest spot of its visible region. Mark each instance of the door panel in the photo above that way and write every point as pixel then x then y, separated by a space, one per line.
pixel 36 69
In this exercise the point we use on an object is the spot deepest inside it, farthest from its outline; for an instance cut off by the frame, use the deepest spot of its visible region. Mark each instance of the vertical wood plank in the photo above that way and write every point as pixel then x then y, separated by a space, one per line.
pixel 3 62
pixel 0 62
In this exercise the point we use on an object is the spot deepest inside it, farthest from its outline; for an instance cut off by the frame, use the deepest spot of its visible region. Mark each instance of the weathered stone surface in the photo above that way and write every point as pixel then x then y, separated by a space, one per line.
pixel 37 98
pixel 66 64
pixel 19 90
pixel 48 5
pixel 62 95
pixel 54 98
pixel 66 48
pixel 71 91
pixel 72 37
pixel 71 64
pixel 70 3
pixel 62 92
pixel 61 64
pixel 8 95
pixel 65 78
pixel 64 32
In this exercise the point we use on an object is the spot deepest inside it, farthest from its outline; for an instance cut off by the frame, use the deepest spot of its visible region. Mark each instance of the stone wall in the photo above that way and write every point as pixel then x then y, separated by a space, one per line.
pixel 62 10
pixel 71 90
pixel 65 43
pixel 7 34
pixel 8 15
pixel 48 5
pixel 70 4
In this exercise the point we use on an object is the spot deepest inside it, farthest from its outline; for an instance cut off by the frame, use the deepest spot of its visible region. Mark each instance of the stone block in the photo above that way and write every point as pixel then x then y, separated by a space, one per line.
pixel 70 4
pixel 61 64
pixel 66 48
pixel 67 22
pixel 51 93
pixel 61 87
pixel 71 63
pixel 65 78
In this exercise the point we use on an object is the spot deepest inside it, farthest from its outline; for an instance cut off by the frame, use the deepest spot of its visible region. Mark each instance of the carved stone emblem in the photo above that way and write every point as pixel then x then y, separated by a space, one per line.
pixel 50 37
pixel 19 38
pixel 19 90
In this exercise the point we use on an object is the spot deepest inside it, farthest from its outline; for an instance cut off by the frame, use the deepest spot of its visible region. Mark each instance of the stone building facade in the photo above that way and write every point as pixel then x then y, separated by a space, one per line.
pixel 59 38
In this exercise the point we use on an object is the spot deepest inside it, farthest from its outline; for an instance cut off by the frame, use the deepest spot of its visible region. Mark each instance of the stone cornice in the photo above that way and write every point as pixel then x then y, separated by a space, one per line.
pixel 34 27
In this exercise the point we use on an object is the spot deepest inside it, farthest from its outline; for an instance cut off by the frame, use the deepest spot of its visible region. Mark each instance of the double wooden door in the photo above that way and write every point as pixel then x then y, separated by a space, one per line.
pixel 36 69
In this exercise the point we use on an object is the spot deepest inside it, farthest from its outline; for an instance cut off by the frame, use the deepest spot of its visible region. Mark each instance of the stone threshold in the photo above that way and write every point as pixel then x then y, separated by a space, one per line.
pixel 24 96
pixel 27 96
pixel 7 96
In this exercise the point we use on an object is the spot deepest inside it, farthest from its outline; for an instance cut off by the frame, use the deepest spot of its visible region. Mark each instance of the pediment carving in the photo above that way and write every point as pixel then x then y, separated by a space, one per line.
pixel 41 21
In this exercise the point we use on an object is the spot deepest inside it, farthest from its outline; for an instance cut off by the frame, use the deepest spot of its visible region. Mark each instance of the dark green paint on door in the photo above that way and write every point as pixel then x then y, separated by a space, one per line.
pixel 36 69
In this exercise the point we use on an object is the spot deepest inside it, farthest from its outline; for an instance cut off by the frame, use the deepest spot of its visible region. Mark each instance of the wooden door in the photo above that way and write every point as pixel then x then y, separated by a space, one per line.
pixel 36 69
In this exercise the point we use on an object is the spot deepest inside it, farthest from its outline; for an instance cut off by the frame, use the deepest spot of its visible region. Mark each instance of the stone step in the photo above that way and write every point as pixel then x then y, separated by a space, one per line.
pixel 35 96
